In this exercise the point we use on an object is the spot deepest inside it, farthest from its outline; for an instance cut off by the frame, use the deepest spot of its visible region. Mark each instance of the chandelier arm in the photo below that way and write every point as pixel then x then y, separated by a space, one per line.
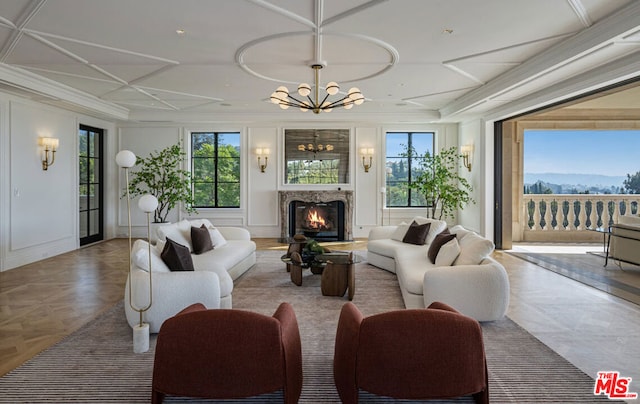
pixel 340 102
pixel 297 103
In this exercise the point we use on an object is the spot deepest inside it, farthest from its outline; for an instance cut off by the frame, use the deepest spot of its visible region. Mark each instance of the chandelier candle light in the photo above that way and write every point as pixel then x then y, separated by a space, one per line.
pixel 285 100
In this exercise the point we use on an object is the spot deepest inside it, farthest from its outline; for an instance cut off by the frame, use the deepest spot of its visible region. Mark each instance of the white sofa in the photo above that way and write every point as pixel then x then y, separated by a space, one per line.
pixel 474 284
pixel 624 239
pixel 211 282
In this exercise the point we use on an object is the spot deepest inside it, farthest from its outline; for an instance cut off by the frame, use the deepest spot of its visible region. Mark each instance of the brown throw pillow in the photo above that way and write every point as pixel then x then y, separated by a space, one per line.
pixel 440 240
pixel 176 256
pixel 417 233
pixel 201 239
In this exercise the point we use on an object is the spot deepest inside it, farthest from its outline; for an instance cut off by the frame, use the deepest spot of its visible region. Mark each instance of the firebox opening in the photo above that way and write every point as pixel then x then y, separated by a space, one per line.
pixel 320 221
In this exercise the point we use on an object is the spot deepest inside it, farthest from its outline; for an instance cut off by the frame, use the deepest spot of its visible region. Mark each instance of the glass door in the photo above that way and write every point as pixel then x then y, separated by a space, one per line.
pixel 90 184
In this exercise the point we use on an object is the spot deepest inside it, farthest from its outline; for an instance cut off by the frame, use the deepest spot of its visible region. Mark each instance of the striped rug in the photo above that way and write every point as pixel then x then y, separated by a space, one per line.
pixel 97 364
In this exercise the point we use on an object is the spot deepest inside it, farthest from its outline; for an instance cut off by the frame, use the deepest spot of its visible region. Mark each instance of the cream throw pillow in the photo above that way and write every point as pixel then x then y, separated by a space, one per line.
pixel 473 249
pixel 448 253
pixel 140 257
pixel 400 232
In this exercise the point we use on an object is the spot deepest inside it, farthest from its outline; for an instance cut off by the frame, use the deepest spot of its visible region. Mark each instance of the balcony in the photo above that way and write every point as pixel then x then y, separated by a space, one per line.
pixel 562 218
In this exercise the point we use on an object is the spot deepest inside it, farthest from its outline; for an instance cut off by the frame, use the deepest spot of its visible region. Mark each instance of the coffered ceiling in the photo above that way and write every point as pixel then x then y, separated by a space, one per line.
pixel 431 60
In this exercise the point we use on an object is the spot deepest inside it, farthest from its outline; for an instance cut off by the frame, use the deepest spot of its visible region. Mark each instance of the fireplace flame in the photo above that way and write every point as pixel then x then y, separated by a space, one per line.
pixel 315 220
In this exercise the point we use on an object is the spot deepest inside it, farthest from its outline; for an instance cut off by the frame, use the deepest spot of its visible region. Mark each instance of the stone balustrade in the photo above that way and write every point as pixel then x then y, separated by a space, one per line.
pixel 570 217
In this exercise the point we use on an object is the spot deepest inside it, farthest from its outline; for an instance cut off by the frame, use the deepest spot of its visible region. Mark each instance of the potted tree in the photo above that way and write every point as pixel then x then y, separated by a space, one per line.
pixel 438 181
pixel 161 175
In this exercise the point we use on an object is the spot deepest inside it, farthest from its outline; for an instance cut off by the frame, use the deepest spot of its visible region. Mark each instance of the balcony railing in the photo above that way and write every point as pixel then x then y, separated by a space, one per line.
pixel 569 217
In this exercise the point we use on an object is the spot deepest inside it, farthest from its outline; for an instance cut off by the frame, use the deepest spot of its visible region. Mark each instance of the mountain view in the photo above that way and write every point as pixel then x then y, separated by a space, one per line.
pixel 562 183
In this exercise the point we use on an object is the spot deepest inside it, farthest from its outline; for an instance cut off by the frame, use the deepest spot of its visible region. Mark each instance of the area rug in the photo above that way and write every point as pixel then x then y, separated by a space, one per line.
pixel 622 280
pixel 96 363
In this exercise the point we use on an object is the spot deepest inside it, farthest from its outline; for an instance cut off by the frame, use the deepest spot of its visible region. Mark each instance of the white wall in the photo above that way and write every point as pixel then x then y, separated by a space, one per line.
pixel 39 209
pixel 259 211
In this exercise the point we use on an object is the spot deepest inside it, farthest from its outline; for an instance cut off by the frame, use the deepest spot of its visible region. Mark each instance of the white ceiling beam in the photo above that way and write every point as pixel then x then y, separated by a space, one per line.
pixel 595 37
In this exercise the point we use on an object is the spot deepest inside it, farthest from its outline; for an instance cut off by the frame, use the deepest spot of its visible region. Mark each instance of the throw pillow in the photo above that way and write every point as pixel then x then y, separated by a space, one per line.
pixel 140 257
pixel 440 240
pixel 448 253
pixel 176 256
pixel 217 239
pixel 201 239
pixel 473 249
pixel 417 233
pixel 400 231
pixel 176 233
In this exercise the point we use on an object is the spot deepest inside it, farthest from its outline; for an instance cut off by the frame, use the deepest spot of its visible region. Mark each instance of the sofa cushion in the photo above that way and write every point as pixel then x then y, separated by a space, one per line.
pixel 217 239
pixel 225 257
pixel 384 246
pixel 448 253
pixel 200 239
pixel 177 256
pixel 179 232
pixel 140 257
pixel 417 233
pixel 473 249
pixel 440 240
pixel 400 231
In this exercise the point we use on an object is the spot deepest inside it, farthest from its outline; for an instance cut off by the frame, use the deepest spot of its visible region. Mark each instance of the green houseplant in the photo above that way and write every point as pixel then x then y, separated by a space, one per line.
pixel 161 175
pixel 439 182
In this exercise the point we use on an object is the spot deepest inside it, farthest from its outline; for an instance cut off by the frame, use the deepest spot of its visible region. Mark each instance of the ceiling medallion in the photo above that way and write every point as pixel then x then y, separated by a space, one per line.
pixel 285 100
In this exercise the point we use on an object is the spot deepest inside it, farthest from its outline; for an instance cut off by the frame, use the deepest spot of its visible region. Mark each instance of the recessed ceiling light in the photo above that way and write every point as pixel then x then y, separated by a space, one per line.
pixel 447 31
pixel 180 31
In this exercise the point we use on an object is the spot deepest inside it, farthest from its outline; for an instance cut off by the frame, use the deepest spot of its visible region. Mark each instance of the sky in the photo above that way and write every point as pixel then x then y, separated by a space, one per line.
pixel 605 152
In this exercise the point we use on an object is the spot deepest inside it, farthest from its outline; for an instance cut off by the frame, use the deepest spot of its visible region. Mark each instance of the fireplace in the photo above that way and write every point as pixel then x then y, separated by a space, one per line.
pixel 338 204
pixel 322 221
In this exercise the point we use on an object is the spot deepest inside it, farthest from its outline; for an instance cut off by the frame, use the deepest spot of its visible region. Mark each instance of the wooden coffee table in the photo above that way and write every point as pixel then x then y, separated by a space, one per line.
pixel 338 275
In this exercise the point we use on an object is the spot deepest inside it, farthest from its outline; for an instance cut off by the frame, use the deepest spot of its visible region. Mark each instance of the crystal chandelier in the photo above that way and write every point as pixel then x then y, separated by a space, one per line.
pixel 285 100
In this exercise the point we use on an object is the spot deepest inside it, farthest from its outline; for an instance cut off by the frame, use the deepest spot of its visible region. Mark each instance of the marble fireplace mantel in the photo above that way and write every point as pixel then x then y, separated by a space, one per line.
pixel 286 197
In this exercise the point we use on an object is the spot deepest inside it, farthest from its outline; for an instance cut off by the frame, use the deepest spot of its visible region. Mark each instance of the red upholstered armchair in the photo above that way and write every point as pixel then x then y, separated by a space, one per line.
pixel 410 354
pixel 228 354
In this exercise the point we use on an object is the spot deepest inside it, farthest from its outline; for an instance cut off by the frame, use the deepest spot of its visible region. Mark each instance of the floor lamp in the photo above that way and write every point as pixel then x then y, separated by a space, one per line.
pixel 148 204
pixel 127 159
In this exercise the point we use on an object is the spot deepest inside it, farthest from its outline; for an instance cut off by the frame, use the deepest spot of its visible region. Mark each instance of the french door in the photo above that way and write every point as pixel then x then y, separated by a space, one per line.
pixel 90 187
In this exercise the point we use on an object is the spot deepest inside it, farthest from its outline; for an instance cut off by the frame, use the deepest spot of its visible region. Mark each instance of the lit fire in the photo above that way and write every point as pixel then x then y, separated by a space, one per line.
pixel 315 220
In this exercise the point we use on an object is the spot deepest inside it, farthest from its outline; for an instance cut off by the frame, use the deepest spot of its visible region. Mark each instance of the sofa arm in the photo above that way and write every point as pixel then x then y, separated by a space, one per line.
pixel 381 232
pixel 478 291
pixel 235 233
pixel 172 292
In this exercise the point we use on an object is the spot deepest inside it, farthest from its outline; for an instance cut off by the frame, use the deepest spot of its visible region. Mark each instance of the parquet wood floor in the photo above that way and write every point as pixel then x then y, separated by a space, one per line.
pixel 41 303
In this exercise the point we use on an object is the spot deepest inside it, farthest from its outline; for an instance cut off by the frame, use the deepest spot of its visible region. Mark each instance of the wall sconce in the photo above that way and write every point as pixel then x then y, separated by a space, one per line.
pixel 261 151
pixel 50 144
pixel 367 152
pixel 467 155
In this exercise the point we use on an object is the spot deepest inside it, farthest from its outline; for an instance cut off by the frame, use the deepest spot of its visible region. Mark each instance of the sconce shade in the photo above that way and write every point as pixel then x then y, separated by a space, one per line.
pixel 126 159
pixel 49 143
pixel 148 203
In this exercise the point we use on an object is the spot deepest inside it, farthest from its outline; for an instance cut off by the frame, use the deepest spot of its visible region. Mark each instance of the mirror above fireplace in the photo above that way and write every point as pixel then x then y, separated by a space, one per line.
pixel 316 156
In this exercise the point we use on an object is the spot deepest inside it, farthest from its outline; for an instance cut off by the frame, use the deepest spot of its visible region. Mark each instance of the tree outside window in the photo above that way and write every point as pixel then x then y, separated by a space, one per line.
pixel 215 167
pixel 404 155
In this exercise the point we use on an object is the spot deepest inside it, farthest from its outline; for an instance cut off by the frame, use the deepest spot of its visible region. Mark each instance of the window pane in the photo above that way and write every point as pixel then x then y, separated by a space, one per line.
pixel 402 167
pixel 215 168
pixel 204 194
pixel 83 143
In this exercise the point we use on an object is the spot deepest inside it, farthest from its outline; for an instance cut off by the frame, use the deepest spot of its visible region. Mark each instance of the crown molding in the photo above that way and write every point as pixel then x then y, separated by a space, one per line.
pixel 55 93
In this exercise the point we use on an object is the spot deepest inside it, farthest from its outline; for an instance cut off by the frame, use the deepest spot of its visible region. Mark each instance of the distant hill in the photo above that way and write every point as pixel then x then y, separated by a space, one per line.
pixel 587 180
